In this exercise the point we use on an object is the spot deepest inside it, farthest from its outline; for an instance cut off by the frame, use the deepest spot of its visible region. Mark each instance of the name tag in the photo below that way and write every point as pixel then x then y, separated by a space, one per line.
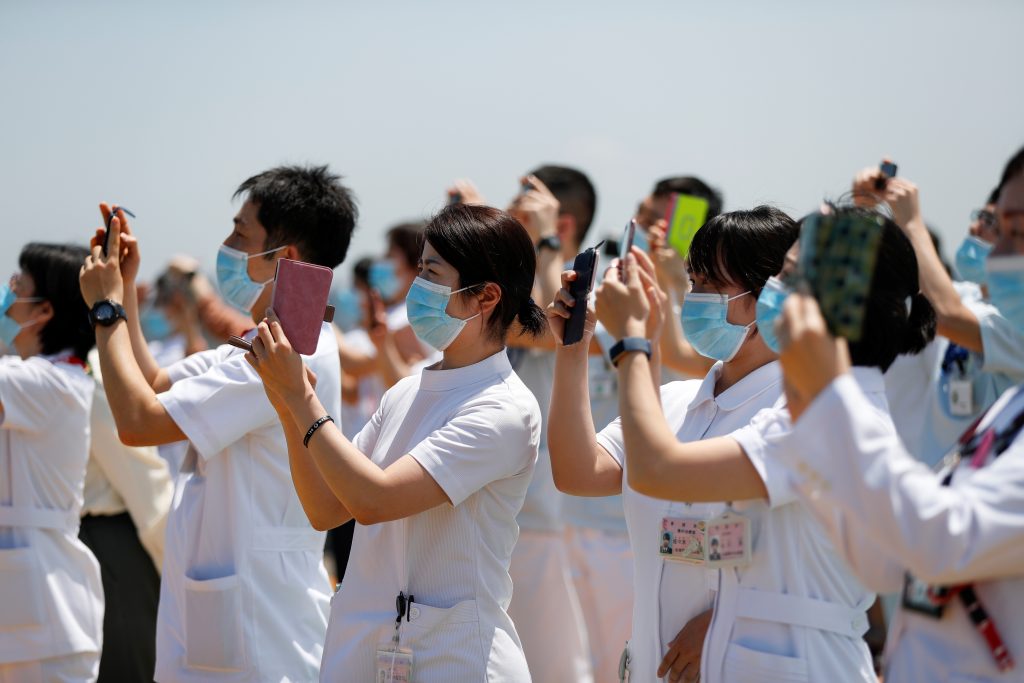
pixel 683 539
pixel 394 663
pixel 961 397
pixel 728 541
pixel 723 541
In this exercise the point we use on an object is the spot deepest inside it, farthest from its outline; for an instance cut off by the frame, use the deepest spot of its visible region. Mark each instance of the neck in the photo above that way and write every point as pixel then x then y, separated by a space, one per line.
pixel 468 354
pixel 752 356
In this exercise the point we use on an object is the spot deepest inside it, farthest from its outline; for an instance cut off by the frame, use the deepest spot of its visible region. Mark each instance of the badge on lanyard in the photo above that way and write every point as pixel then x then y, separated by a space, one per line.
pixel 723 541
pixel 394 662
pixel 961 397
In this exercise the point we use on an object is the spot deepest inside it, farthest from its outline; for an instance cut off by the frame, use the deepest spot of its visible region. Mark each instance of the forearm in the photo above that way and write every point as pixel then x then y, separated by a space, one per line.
pixel 139 348
pixel 955 321
pixel 578 464
pixel 132 399
pixel 219 319
pixel 391 366
pixel 646 434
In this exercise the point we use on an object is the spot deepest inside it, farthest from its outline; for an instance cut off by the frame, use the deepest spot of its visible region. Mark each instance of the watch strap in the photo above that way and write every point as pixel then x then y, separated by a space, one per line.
pixel 550 242
pixel 629 345
pixel 119 313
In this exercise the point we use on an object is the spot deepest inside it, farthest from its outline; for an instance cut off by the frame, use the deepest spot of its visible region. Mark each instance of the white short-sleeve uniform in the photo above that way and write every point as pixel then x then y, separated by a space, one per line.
pixel 475 430
pixel 51 596
pixel 886 513
pixel 666 594
pixel 797 612
pixel 244 595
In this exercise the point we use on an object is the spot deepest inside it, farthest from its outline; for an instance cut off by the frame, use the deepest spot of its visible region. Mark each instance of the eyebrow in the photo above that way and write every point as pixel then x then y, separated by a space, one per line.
pixel 430 261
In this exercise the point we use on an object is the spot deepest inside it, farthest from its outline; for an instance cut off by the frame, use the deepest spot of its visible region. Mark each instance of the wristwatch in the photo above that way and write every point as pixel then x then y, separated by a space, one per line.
pixel 550 242
pixel 106 313
pixel 628 345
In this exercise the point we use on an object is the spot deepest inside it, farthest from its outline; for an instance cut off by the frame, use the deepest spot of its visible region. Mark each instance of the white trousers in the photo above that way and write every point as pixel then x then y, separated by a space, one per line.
pixel 602 569
pixel 546 610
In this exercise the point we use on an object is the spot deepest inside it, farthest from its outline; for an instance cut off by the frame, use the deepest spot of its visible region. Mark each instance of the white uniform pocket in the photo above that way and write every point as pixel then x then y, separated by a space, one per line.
pixel 21 586
pixel 743 665
pixel 445 642
pixel 214 639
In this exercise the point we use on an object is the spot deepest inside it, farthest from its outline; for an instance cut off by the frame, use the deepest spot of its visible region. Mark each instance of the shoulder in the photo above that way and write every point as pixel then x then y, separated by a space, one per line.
pixel 680 393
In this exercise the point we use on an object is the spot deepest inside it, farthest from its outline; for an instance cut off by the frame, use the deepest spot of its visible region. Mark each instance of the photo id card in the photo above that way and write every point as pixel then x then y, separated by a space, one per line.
pixel 961 397
pixel 728 541
pixel 683 539
pixel 393 663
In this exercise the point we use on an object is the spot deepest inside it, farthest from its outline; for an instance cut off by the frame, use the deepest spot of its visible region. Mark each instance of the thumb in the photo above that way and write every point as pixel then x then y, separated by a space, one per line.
pixel 114 246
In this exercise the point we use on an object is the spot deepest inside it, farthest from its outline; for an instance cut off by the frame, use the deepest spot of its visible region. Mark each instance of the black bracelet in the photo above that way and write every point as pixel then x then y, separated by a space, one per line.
pixel 315 426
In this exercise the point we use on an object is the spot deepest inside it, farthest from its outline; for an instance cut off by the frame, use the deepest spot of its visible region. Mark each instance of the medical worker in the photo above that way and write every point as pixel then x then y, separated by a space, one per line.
pixel 51 596
pixel 731 258
pixel 786 608
pixel 244 594
pixel 952 541
pixel 436 478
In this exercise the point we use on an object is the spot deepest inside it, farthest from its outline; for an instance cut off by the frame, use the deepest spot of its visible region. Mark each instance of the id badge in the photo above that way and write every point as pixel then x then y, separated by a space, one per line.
pixel 683 539
pixel 394 663
pixel 728 541
pixel 917 598
pixel 961 397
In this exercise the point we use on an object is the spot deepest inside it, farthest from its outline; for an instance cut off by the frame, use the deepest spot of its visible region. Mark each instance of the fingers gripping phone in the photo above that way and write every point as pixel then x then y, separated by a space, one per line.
pixel 888 170
pixel 625 246
pixel 585 266
pixel 110 219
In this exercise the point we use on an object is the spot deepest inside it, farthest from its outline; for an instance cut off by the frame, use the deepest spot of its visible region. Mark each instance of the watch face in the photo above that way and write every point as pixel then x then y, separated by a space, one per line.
pixel 104 311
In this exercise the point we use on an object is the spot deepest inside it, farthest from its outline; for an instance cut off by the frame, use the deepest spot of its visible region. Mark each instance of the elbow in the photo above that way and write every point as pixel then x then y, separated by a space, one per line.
pixel 369 513
pixel 133 437
pixel 643 480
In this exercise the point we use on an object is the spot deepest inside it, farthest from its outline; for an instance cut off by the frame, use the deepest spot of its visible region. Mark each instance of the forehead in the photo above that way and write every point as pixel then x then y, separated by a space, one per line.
pixel 1011 196
pixel 248 214
pixel 431 257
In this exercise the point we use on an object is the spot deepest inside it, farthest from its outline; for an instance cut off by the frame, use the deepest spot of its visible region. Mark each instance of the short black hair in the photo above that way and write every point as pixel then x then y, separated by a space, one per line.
pixel 306 206
pixel 1014 167
pixel 693 186
pixel 484 245
pixel 890 330
pixel 575 193
pixel 361 271
pixel 408 238
pixel 55 268
pixel 993 196
pixel 743 247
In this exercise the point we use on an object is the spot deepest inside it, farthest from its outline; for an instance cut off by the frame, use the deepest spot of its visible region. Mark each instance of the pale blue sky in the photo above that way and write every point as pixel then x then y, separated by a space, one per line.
pixel 166 108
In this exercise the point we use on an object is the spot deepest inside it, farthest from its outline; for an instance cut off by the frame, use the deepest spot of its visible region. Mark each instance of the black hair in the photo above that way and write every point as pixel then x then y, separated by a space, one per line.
pixel 743 247
pixel 306 206
pixel 1014 167
pixel 889 329
pixel 408 239
pixel 55 268
pixel 993 197
pixel 693 186
pixel 484 245
pixel 575 193
pixel 361 271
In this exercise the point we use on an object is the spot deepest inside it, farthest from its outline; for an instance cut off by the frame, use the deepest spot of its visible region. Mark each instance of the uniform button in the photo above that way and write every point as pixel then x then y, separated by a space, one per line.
pixel 414 612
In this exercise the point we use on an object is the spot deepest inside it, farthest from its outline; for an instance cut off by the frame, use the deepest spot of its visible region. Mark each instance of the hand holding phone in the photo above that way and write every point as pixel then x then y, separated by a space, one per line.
pixel 106 235
pixel 625 246
pixel 585 267
pixel 888 170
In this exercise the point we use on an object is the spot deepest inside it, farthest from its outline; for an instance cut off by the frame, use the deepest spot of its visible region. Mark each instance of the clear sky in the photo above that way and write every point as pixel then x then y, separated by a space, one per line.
pixel 166 107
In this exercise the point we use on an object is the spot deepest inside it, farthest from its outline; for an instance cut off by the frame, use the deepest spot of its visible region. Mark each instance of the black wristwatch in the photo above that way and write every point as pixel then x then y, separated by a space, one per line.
pixel 628 345
pixel 550 242
pixel 106 313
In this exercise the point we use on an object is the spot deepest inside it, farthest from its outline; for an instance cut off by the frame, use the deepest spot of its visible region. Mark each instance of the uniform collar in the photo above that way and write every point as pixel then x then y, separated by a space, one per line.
pixel 445 380
pixel 765 378
pixel 870 380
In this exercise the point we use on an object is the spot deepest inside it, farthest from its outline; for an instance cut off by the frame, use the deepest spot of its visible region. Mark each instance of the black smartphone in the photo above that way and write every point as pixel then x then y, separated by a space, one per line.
pixel 625 246
pixel 888 170
pixel 585 266
pixel 106 235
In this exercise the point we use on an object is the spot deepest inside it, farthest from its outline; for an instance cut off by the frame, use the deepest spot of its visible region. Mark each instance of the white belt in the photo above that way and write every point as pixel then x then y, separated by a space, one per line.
pixel 39 518
pixel 799 611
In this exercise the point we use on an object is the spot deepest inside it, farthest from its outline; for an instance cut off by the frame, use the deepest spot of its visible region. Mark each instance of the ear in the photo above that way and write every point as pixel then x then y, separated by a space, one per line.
pixel 489 298
pixel 43 313
pixel 565 227
pixel 291 252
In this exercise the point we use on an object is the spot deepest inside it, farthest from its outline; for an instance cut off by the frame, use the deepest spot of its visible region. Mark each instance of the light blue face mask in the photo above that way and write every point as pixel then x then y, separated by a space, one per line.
pixel 9 327
pixel 233 279
pixel 707 329
pixel 155 324
pixel 640 240
pixel 348 311
pixel 1006 287
pixel 769 308
pixel 426 307
pixel 970 259
pixel 383 277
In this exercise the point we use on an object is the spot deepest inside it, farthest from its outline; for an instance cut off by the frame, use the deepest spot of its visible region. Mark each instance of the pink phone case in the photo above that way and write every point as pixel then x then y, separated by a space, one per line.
pixel 300 302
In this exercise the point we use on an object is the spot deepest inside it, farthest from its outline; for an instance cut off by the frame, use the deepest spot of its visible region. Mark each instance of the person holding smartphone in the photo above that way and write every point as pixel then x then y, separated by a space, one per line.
pixel 732 257
pixel 953 541
pixel 51 595
pixel 244 593
pixel 778 614
pixel 435 480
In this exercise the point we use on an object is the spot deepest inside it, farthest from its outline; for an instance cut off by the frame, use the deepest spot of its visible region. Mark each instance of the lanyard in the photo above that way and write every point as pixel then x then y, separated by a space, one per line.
pixel 978 446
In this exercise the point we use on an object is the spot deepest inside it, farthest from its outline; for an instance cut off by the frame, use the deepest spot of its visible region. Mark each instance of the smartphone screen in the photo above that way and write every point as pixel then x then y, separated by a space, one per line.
pixel 686 215
pixel 625 245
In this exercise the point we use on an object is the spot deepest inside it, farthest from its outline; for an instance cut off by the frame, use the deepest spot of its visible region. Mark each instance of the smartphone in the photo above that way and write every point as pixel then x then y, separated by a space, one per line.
pixel 110 219
pixel 239 343
pixel 625 246
pixel 526 186
pixel 299 299
pixel 888 170
pixel 585 266
pixel 685 216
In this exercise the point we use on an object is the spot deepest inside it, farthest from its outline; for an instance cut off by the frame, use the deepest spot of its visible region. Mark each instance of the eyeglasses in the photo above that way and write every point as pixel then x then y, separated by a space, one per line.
pixel 985 217
pixel 15 283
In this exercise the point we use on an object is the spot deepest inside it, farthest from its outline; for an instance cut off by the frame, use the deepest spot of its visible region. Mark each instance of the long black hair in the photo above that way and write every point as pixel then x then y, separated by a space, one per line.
pixel 485 245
